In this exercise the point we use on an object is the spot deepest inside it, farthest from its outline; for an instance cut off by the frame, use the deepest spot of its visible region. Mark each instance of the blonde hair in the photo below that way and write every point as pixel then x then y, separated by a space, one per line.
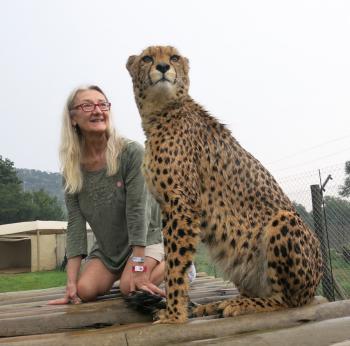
pixel 72 142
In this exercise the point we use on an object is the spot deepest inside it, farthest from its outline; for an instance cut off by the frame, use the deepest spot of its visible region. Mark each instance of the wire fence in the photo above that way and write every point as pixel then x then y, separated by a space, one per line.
pixel 318 201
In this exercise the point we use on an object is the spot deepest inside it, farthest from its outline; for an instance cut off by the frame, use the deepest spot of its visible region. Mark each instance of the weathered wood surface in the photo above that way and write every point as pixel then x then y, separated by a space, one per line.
pixel 26 313
pixel 321 323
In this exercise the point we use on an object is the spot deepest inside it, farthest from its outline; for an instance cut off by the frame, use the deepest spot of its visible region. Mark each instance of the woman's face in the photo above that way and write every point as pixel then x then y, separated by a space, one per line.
pixel 90 111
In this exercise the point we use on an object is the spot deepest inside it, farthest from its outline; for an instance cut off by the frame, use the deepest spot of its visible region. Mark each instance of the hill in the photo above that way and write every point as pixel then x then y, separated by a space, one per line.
pixel 35 180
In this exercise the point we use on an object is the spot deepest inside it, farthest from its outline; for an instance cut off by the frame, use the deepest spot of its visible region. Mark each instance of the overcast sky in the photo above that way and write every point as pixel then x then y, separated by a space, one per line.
pixel 276 72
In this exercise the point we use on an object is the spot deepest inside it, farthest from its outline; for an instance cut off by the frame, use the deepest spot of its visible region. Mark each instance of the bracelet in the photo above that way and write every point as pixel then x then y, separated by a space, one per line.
pixel 139 269
pixel 137 259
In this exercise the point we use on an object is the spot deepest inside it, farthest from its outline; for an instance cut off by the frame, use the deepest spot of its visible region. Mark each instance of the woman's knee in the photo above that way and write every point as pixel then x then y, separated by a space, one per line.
pixel 95 280
pixel 86 292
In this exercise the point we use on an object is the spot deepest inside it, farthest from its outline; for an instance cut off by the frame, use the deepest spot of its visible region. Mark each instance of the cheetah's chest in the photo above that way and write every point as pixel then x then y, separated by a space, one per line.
pixel 148 169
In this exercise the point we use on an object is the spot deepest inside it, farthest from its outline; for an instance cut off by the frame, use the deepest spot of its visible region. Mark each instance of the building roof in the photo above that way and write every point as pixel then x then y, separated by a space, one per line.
pixel 32 227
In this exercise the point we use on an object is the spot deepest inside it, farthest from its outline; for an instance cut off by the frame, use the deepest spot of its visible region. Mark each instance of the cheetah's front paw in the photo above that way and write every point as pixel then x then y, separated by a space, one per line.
pixel 162 317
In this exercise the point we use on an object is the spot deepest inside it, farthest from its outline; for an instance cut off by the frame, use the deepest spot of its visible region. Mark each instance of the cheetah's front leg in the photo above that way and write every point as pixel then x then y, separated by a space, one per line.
pixel 181 235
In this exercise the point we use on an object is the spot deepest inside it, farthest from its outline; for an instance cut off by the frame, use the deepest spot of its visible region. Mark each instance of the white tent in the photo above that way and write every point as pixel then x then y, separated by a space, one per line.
pixel 33 246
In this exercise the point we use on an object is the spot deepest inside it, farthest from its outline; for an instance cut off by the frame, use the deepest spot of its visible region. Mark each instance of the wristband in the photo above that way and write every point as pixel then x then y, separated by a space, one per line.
pixel 141 269
pixel 137 259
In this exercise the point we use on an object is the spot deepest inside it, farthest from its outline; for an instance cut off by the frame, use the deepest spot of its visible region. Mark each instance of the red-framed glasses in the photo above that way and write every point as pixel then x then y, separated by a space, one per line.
pixel 90 107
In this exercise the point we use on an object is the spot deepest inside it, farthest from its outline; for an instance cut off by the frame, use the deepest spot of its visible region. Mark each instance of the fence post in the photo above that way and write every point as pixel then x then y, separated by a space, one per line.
pixel 317 212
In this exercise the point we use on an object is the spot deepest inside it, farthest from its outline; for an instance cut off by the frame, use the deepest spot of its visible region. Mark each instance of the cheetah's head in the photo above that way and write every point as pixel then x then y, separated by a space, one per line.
pixel 159 75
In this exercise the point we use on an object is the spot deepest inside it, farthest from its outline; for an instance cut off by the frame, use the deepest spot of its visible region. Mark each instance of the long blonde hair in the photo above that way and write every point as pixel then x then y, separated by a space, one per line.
pixel 72 142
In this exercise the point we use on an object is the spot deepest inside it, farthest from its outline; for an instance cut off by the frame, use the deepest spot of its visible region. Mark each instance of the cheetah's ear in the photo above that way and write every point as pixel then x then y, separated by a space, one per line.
pixel 186 65
pixel 130 63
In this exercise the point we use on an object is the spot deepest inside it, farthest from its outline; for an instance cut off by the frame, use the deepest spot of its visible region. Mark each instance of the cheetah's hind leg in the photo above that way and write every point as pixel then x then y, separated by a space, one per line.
pixel 238 306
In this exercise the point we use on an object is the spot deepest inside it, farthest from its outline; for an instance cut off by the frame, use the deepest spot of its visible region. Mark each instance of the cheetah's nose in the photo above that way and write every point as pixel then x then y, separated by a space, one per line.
pixel 163 67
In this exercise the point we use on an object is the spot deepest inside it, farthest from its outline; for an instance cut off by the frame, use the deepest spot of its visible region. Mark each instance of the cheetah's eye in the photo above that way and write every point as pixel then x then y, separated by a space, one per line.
pixel 147 58
pixel 174 58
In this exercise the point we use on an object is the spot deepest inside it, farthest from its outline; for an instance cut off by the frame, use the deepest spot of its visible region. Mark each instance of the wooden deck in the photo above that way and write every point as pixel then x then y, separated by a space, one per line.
pixel 26 319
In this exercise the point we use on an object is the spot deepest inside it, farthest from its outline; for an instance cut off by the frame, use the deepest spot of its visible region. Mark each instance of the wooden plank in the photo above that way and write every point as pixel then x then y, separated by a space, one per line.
pixel 27 313
pixel 109 312
pixel 274 328
pixel 45 296
pixel 20 312
pixel 4 296
pixel 159 335
pixel 22 307
pixel 322 333
pixel 342 343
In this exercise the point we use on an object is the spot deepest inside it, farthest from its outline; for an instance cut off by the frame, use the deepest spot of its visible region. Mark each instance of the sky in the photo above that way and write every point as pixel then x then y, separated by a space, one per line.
pixel 277 73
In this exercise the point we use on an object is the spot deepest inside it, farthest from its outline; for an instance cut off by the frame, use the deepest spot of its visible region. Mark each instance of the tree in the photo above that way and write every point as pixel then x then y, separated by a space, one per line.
pixel 337 210
pixel 45 207
pixel 344 190
pixel 337 220
pixel 17 205
pixel 35 180
pixel 8 172
pixel 304 214
pixel 10 192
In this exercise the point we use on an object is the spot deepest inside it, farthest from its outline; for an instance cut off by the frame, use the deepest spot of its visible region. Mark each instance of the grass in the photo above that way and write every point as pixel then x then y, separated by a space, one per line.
pixel 341 271
pixel 203 262
pixel 31 281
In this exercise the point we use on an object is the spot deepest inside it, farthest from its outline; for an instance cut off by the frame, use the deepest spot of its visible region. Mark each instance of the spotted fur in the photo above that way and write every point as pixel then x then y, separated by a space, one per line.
pixel 213 190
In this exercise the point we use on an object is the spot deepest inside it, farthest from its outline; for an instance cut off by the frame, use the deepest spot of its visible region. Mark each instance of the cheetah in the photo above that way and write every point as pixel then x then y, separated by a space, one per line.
pixel 212 190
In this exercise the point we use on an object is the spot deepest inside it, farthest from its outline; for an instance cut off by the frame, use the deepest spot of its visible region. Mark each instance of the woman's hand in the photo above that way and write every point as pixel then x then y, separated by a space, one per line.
pixel 71 296
pixel 140 281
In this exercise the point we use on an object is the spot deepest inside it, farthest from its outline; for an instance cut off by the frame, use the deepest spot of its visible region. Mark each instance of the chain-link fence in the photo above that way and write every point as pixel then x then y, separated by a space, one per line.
pixel 317 199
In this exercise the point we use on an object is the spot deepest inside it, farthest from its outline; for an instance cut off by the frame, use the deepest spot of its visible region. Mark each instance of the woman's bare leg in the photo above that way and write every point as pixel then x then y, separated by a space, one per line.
pixel 95 280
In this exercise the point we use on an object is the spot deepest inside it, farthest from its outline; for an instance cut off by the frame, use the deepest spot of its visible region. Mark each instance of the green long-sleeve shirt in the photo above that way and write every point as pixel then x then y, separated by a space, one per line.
pixel 119 209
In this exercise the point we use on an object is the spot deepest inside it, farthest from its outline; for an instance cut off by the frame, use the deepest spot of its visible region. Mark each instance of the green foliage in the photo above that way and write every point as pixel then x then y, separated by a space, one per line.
pixel 17 205
pixel 204 263
pixel 35 180
pixel 337 212
pixel 44 207
pixel 341 271
pixel 337 220
pixel 304 214
pixel 340 206
pixel 31 281
pixel 8 172
pixel 14 204
pixel 344 190
pixel 346 253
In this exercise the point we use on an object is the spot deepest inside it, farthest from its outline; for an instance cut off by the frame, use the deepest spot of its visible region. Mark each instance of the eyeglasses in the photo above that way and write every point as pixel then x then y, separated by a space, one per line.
pixel 90 107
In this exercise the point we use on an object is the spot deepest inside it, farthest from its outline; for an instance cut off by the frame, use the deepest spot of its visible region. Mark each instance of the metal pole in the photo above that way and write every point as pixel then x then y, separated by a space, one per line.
pixel 38 250
pixel 316 195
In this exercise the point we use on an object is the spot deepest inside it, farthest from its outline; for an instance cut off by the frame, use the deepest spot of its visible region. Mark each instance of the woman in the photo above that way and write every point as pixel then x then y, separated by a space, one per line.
pixel 104 186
